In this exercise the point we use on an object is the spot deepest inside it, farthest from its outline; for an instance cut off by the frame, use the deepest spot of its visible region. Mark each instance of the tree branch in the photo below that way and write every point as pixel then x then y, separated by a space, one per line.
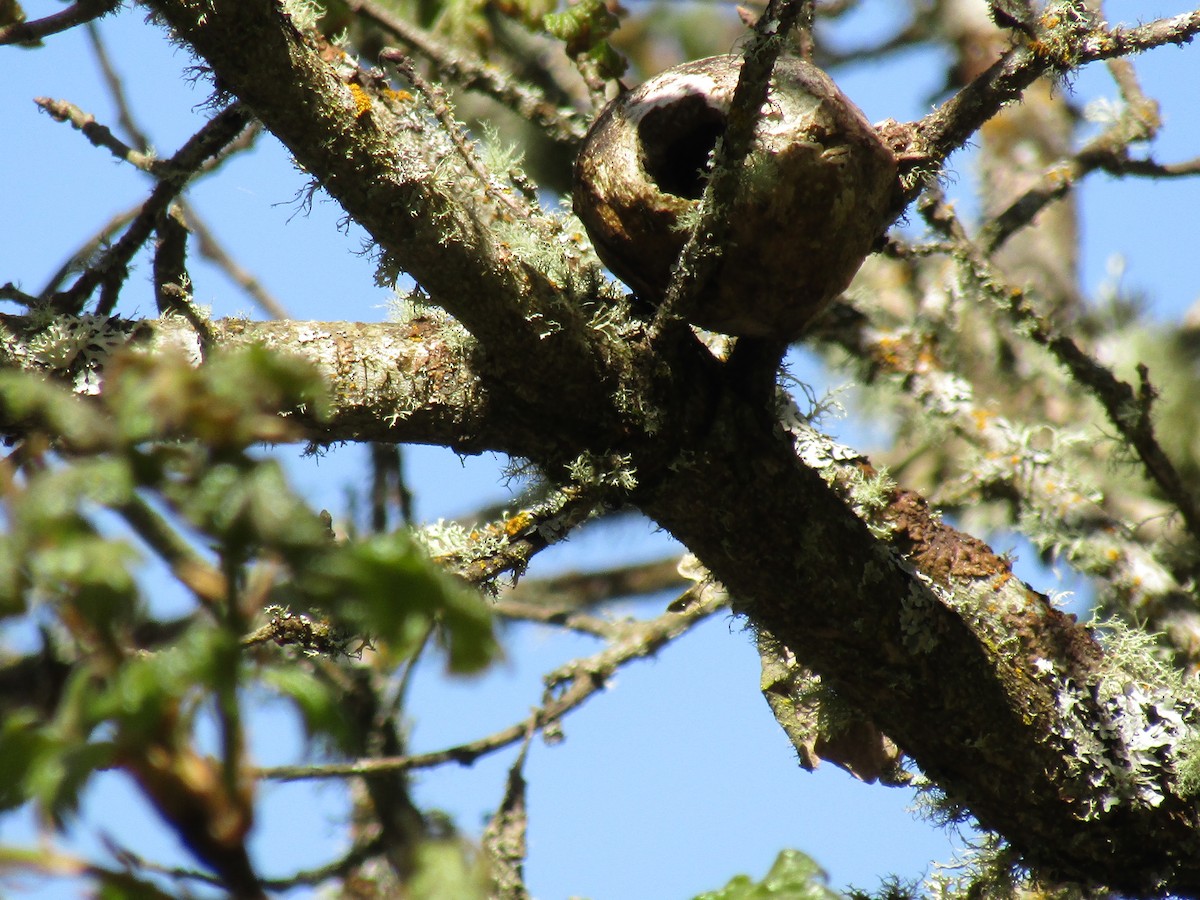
pixel 515 285
pixel 31 32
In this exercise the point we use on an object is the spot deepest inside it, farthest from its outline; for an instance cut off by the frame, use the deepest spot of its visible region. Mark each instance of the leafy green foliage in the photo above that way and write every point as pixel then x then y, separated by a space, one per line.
pixel 161 461
pixel 585 28
pixel 793 875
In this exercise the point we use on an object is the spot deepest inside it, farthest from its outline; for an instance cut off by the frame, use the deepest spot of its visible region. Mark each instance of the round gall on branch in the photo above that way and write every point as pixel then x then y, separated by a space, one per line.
pixel 813 197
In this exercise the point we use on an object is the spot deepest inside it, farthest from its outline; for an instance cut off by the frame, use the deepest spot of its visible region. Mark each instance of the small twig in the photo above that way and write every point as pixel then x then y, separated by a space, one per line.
pixel 452 65
pixel 504 838
pixel 100 135
pixel 439 105
pixel 583 590
pixel 951 125
pixel 509 545
pixel 1107 151
pixel 352 859
pixel 1127 409
pixel 386 483
pixel 116 89
pixel 546 615
pixel 702 252
pixel 1055 183
pixel 568 688
pixel 189 567
pixel 81 257
pixel 110 270
pixel 9 291
pixel 31 32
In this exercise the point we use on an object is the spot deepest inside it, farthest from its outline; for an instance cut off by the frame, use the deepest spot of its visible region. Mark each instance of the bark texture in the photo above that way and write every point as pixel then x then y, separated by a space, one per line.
pixel 1010 706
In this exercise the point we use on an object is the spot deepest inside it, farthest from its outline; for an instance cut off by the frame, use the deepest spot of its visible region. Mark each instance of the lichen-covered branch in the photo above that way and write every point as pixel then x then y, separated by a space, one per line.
pixel 517 285
pixel 1066 36
pixel 454 65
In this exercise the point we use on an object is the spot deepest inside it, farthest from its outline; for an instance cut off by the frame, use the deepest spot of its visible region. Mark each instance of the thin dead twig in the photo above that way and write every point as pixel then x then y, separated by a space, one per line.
pixel 567 689
pixel 78 14
pixel 452 65
pixel 1129 409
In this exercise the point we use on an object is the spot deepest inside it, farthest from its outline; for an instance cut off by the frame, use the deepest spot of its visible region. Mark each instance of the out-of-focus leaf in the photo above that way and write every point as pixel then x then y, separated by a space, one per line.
pixel 22 743
pixel 320 704
pixel 57 492
pixel 387 587
pixel 13 583
pixel 443 869
pixel 60 773
pixel 582 25
pixel 35 401
pixel 234 400
pixel 92 573
pixel 43 762
pixel 793 875
pixel 148 692
pixel 11 12
pixel 125 886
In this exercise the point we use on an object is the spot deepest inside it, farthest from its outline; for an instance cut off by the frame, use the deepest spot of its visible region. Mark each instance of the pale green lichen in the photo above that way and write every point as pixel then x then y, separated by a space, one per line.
pixel 305 14
pixel 607 472
pixel 74 346
pixel 916 615
pixel 496 154
pixel 1140 747
pixel 451 539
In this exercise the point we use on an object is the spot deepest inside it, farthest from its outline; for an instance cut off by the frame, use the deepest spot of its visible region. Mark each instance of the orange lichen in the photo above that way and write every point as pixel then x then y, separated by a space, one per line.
pixel 518 524
pixel 982 417
pixel 362 103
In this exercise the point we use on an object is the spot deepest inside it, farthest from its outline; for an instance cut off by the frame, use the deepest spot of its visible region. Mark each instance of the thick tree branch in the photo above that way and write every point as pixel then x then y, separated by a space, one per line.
pixel 859 579
pixel 992 691
pixel 1006 703
pixel 396 173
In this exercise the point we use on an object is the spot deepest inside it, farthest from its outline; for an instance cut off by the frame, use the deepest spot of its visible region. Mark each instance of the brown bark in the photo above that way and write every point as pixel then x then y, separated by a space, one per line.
pixel 1006 703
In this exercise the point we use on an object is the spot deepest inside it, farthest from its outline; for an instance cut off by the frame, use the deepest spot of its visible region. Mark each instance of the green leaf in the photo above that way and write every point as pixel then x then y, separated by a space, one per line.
pixel 581 26
pixel 320 703
pixel 13 582
pixel 153 692
pixel 11 12
pixel 22 744
pixel 443 869
pixel 32 400
pixel 57 493
pixel 61 772
pixel 234 400
pixel 794 876
pixel 387 587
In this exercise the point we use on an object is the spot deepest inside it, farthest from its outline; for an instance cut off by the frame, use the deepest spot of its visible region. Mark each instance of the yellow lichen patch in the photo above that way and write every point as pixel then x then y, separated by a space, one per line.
pixel 518 524
pixel 362 103
pixel 982 417
pixel 397 96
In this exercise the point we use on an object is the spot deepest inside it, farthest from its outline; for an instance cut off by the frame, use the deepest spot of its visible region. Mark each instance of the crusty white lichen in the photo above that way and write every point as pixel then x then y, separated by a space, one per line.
pixel 1132 729
pixel 75 347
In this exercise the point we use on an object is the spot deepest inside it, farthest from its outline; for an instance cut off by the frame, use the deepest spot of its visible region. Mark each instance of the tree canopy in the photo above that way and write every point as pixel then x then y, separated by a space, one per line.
pixel 738 193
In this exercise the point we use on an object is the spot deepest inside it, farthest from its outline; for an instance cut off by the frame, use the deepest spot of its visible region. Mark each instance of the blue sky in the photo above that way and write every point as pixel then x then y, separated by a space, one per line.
pixel 677 777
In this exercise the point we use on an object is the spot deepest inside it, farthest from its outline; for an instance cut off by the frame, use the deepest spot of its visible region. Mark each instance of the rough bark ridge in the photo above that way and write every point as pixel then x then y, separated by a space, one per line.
pixel 1006 703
